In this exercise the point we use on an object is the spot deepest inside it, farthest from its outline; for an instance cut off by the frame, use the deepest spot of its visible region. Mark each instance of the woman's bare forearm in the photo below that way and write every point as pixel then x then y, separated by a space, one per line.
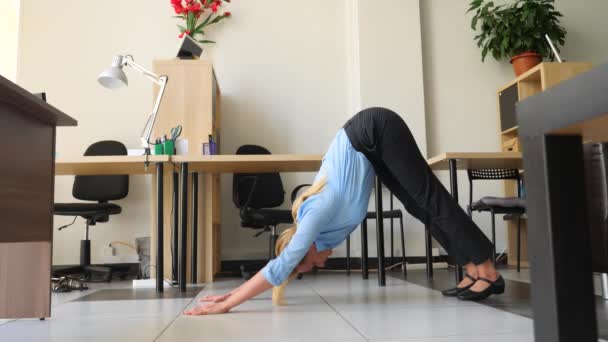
pixel 248 290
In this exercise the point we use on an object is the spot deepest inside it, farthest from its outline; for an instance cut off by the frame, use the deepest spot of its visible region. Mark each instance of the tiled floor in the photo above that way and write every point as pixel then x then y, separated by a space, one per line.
pixel 325 307
pixel 516 299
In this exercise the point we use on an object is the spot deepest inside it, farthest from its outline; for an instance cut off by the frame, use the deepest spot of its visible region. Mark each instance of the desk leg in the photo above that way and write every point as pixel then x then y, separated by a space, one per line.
pixel 175 227
pixel 183 237
pixel 159 227
pixel 428 239
pixel 194 243
pixel 364 266
pixel 380 233
pixel 454 191
pixel 563 302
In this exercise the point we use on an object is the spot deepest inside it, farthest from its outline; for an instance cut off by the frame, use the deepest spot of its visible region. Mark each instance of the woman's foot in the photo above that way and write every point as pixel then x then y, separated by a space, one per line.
pixel 490 287
pixel 465 284
pixel 469 280
pixel 489 283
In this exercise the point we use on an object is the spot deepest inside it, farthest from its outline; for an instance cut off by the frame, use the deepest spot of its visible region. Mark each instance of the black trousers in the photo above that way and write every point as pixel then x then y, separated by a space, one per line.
pixel 384 138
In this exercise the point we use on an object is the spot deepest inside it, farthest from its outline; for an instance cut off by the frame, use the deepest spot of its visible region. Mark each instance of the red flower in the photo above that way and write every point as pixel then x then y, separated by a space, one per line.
pixel 194 8
pixel 214 7
pixel 177 6
pixel 227 14
pixel 187 32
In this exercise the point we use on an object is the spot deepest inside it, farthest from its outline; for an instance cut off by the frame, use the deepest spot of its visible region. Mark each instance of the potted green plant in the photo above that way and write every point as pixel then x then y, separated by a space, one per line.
pixel 517 31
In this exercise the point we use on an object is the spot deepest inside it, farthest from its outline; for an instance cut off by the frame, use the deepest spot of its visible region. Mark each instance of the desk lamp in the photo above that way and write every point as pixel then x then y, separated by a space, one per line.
pixel 114 77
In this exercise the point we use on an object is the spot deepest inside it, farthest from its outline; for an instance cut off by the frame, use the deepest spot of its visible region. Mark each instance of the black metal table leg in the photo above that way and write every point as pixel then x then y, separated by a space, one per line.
pixel 428 239
pixel 348 255
pixel 364 266
pixel 194 243
pixel 454 191
pixel 392 234
pixel 380 234
pixel 175 227
pixel 159 228
pixel 560 249
pixel 183 236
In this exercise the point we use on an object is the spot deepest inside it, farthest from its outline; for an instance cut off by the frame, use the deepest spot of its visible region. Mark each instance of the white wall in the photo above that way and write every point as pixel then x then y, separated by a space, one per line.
pixel 460 90
pixel 287 71
pixel 9 38
pixel 390 72
pixel 283 74
pixel 63 50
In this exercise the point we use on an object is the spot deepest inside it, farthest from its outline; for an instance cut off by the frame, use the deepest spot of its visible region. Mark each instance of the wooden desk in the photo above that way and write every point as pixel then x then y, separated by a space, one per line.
pixel 27 131
pixel 452 161
pixel 477 160
pixel 108 165
pixel 553 127
pixel 120 165
pixel 208 233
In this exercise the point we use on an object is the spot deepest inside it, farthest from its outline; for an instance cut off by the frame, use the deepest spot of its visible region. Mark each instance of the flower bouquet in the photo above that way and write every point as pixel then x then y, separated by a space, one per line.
pixel 191 11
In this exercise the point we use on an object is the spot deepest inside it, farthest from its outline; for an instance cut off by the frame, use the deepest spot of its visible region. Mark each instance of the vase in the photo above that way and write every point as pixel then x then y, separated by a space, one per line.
pixel 525 61
pixel 189 49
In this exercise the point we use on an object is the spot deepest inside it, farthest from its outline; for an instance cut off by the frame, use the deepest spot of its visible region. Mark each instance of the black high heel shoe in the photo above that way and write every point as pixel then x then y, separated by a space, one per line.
pixel 453 292
pixel 496 287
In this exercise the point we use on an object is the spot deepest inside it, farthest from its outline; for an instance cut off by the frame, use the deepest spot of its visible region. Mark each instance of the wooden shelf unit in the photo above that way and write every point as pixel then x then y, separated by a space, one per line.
pixel 534 81
pixel 192 99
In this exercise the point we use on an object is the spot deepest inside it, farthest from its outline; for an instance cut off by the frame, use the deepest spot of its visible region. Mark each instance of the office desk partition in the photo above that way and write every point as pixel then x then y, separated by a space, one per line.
pixel 120 165
pixel 553 127
pixel 27 132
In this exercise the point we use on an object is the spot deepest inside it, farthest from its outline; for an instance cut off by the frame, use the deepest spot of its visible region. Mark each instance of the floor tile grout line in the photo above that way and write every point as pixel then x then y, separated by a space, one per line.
pixel 339 314
pixel 178 315
pixel 9 322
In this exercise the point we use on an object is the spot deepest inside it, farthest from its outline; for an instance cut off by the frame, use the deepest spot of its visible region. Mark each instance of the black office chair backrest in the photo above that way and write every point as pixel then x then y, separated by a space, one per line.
pixel 102 188
pixel 269 191
pixel 493 174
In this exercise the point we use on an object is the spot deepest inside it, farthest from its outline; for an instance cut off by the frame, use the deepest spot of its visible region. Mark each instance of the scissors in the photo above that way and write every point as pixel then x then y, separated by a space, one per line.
pixel 176 132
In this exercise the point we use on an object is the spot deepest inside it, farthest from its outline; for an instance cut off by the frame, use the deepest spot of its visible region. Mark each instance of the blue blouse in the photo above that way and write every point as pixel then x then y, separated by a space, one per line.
pixel 330 216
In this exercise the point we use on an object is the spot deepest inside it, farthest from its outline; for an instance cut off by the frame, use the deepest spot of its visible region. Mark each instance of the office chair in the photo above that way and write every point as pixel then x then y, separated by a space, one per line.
pixel 256 195
pixel 516 206
pixel 101 189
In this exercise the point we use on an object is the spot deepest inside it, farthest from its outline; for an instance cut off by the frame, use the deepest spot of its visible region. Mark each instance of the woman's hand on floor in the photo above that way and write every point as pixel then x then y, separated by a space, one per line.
pixel 207 309
pixel 215 299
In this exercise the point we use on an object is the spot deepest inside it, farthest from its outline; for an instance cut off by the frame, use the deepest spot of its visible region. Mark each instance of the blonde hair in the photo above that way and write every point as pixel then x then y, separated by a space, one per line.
pixel 278 292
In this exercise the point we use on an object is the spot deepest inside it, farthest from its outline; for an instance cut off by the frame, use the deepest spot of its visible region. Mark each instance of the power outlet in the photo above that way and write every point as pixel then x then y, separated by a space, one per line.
pixel 109 251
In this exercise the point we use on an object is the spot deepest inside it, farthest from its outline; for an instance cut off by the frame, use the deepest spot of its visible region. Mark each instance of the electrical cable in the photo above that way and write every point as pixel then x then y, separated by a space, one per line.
pixel 67 225
pixel 124 244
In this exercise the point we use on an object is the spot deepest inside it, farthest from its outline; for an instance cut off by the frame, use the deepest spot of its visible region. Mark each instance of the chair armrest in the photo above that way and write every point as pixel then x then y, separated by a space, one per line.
pixel 294 193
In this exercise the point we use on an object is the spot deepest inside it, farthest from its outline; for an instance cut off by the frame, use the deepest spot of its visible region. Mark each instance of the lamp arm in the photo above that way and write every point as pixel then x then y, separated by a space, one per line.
pixel 147 132
pixel 128 60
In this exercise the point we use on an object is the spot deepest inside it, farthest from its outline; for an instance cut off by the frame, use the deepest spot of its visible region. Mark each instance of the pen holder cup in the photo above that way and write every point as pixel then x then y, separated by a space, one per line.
pixel 169 147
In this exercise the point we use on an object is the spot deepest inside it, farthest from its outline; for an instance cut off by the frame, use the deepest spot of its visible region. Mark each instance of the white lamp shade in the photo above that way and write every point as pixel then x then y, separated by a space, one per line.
pixel 113 78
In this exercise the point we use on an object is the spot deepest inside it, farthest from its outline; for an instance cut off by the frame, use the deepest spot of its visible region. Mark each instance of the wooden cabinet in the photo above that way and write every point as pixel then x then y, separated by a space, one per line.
pixel 27 178
pixel 192 99
pixel 536 80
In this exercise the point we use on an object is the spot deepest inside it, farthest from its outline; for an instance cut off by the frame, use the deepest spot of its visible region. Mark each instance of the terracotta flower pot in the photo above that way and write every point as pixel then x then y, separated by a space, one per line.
pixel 525 61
